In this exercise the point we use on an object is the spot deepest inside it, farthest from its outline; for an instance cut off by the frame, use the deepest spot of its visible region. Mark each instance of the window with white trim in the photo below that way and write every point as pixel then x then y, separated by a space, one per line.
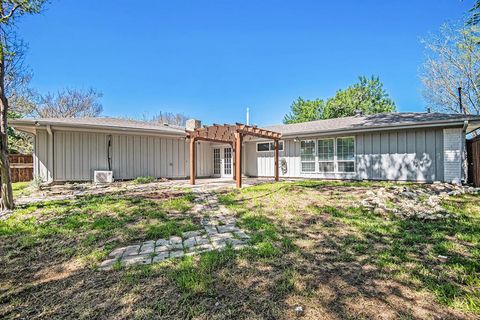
pixel 346 154
pixel 269 146
pixel 326 155
pixel 332 155
pixel 307 155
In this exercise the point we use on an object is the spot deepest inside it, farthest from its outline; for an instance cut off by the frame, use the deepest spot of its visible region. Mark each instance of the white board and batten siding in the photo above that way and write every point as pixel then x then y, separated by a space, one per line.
pixel 41 156
pixel 78 154
pixel 406 155
pixel 135 156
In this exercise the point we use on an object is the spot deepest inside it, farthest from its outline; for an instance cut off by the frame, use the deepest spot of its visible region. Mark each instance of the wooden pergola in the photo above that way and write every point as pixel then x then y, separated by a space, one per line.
pixel 233 135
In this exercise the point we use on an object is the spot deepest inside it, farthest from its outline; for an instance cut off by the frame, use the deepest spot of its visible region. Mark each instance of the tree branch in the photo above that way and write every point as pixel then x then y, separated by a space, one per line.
pixel 7 17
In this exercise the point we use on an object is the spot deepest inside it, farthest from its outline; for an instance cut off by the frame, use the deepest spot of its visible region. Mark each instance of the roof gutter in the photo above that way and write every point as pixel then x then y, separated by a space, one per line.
pixel 373 129
pixel 60 126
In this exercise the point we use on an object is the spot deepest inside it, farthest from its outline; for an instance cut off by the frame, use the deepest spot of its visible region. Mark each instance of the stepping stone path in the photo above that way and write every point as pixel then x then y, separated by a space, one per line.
pixel 218 229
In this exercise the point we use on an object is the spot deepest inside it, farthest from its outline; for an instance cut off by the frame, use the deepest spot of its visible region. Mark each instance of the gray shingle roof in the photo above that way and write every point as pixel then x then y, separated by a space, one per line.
pixel 356 123
pixel 370 122
pixel 111 123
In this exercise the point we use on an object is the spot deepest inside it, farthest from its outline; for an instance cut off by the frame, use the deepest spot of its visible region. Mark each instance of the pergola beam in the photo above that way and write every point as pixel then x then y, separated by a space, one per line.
pixel 233 135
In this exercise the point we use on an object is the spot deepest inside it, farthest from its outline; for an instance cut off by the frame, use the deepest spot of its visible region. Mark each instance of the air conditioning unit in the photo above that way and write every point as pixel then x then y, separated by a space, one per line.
pixel 102 176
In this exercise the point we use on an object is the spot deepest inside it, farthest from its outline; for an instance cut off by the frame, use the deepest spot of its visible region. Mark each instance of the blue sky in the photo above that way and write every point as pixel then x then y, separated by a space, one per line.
pixel 212 59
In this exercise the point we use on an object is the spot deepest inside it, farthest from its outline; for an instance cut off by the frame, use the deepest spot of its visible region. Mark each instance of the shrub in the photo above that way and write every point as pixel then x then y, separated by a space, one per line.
pixel 143 180
pixel 36 183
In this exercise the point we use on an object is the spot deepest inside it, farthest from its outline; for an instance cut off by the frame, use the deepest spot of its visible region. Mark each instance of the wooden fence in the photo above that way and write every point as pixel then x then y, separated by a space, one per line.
pixel 473 155
pixel 21 167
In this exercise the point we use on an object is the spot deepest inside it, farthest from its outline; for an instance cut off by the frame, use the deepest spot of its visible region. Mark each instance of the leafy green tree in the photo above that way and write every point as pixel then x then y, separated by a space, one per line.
pixel 18 142
pixel 304 110
pixel 367 96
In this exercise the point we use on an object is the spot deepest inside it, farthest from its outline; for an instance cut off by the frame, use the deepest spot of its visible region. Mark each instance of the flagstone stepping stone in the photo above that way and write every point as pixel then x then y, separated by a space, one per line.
pixel 175 240
pixel 147 247
pixel 176 254
pixel 160 257
pixel 218 230
pixel 190 234
pixel 205 247
pixel 161 242
pixel 201 240
pixel 131 250
pixel 190 242
pixel 108 264
pixel 227 228
pixel 164 248
pixel 117 253
pixel 137 259
pixel 211 229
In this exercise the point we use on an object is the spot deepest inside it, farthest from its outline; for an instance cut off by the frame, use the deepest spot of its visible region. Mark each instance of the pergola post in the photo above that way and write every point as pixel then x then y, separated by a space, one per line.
pixel 193 160
pixel 234 161
pixel 238 159
pixel 275 144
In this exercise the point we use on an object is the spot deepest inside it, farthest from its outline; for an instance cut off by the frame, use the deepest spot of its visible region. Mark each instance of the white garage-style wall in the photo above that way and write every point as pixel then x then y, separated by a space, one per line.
pixel 76 155
pixel 135 156
pixel 404 155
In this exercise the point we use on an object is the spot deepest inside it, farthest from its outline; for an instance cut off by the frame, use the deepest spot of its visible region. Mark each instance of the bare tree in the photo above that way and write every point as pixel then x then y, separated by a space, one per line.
pixel 453 60
pixel 19 94
pixel 176 119
pixel 10 10
pixel 68 103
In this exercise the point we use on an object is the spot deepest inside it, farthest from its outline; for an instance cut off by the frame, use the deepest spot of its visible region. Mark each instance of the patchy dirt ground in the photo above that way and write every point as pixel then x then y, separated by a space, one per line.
pixel 314 248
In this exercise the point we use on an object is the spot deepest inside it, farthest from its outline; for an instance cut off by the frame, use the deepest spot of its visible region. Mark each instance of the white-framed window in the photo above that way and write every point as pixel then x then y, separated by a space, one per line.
pixel 331 154
pixel 269 146
pixel 346 154
pixel 307 155
pixel 326 155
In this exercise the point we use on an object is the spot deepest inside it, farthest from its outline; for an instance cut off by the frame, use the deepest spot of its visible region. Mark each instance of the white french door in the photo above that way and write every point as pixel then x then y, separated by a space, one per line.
pixel 222 162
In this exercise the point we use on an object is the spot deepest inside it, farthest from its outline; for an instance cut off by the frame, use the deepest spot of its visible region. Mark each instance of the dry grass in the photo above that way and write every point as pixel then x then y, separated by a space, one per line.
pixel 310 247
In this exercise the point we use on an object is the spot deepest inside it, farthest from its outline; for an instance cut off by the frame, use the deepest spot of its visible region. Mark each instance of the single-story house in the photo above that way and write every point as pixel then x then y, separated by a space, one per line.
pixel 422 147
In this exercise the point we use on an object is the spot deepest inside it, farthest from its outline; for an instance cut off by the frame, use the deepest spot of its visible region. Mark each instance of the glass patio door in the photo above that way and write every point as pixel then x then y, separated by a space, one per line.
pixel 222 162
pixel 227 162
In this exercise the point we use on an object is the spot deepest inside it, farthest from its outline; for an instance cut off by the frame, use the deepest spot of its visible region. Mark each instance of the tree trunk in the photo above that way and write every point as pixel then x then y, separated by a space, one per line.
pixel 6 202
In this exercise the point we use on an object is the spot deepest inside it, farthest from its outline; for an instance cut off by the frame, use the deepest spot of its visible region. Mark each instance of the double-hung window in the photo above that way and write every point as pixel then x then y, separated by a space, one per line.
pixel 326 155
pixel 307 155
pixel 346 154
pixel 331 154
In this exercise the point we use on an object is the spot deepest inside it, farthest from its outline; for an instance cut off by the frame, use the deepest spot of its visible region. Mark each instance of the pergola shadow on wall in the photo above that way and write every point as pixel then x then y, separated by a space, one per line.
pixel 233 135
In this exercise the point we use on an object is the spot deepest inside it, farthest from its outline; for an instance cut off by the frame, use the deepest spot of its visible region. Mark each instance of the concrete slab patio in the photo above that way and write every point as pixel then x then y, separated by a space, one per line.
pixel 68 191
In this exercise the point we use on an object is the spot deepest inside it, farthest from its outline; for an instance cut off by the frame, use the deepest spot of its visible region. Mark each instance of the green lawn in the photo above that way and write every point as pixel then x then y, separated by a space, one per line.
pixel 88 228
pixel 403 251
pixel 21 189
pixel 311 246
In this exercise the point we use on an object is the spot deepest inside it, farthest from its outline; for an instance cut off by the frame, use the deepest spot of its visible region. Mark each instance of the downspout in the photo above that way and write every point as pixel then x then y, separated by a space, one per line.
pixel 464 153
pixel 109 152
pixel 50 177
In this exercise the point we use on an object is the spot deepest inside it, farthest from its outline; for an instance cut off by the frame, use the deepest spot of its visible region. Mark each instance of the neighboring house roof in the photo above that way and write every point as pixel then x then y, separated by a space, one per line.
pixel 101 123
pixel 379 121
